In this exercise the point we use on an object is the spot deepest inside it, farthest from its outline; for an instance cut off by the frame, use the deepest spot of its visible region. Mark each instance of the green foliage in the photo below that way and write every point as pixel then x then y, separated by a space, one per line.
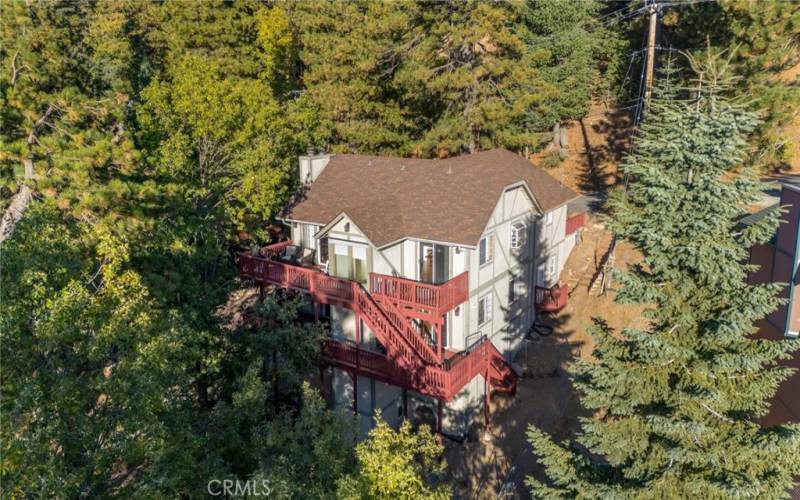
pixel 304 455
pixel 400 464
pixel 64 98
pixel 443 78
pixel 90 376
pixel 571 51
pixel 221 140
pixel 348 52
pixel 762 40
pixel 677 404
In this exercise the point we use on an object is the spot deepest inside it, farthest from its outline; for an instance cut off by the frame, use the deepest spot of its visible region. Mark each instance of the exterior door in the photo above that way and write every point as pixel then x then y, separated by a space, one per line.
pixel 350 262
pixel 426 263
pixel 434 263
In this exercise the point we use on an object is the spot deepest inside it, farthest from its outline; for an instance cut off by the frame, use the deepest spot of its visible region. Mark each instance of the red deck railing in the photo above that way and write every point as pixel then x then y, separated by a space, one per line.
pixel 551 299
pixel 438 299
pixel 409 360
pixel 575 222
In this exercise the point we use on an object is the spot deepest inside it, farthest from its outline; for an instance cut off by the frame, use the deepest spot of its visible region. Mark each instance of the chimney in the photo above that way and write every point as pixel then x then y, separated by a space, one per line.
pixel 310 166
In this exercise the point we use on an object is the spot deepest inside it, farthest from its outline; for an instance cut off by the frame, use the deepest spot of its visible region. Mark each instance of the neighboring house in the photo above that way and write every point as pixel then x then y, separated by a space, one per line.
pixel 778 262
pixel 431 272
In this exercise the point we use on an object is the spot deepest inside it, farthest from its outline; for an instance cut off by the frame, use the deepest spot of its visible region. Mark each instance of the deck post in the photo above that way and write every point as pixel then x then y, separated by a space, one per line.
pixel 405 403
pixel 487 400
pixel 439 335
pixel 439 417
pixel 316 310
pixel 355 391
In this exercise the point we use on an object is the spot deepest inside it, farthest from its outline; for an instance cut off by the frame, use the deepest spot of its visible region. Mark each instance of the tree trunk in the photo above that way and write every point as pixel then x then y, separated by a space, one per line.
pixel 19 203
pixel 24 196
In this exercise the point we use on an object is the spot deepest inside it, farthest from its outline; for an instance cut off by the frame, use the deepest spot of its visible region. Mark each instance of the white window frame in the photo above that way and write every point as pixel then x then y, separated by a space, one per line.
pixel 486 299
pixel 310 241
pixel 517 235
pixel 516 288
pixel 541 275
pixel 548 218
pixel 551 268
pixel 488 241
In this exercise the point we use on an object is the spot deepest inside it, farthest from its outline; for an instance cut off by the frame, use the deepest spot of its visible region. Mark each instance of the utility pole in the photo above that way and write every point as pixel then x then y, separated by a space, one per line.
pixel 652 9
pixel 651 54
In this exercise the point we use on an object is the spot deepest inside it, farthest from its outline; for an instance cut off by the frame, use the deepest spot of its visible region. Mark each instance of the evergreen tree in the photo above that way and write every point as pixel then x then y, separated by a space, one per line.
pixel 677 405
pixel 467 73
pixel 574 56
pixel 350 52
pixel 63 116
pixel 763 39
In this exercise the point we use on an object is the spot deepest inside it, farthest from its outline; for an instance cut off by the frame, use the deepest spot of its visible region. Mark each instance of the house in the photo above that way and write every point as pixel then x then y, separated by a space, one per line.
pixel 430 272
pixel 778 262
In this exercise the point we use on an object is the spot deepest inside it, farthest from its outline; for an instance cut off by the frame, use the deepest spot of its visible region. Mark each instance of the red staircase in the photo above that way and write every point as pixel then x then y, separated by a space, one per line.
pixel 409 360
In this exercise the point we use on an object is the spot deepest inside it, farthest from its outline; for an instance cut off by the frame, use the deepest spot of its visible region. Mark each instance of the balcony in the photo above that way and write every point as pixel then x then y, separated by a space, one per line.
pixel 436 299
pixel 409 361
pixel 550 300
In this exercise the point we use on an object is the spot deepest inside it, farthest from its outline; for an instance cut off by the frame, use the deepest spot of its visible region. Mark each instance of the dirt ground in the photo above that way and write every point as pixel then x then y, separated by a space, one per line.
pixel 496 465
pixel 596 144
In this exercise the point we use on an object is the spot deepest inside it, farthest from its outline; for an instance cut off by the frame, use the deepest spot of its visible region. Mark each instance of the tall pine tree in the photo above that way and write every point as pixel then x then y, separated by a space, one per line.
pixel 677 404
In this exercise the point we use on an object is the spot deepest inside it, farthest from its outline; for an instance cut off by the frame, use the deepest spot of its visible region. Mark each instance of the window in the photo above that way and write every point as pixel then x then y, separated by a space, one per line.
pixel 310 242
pixel 516 288
pixel 548 218
pixel 485 249
pixel 485 308
pixel 540 275
pixel 517 235
pixel 350 262
pixel 551 268
pixel 341 261
pixel 360 264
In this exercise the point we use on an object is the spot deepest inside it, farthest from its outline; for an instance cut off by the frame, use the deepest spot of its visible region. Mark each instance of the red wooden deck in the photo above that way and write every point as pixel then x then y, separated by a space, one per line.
pixel 436 299
pixel 409 361
pixel 551 299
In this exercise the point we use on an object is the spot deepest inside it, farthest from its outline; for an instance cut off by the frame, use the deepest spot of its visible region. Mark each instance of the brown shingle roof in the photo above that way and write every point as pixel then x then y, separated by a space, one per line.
pixel 449 200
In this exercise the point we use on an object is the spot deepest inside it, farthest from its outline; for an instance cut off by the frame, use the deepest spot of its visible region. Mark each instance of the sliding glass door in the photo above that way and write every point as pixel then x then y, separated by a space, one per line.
pixel 434 263
pixel 350 262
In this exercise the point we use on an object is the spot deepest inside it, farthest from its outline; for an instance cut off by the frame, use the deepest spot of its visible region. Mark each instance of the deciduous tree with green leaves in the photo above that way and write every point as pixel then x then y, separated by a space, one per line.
pixel 677 404
pixel 92 384
pixel 404 464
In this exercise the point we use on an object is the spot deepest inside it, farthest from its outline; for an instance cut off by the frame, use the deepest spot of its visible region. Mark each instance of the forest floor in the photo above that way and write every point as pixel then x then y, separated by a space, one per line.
pixel 596 145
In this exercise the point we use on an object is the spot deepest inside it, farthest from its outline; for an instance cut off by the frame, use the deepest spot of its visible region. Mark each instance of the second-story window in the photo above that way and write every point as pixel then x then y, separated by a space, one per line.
pixel 516 288
pixel 485 308
pixel 485 249
pixel 517 235
pixel 548 218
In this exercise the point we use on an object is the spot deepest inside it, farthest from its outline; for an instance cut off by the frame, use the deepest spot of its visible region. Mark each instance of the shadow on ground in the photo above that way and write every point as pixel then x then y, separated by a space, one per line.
pixel 494 464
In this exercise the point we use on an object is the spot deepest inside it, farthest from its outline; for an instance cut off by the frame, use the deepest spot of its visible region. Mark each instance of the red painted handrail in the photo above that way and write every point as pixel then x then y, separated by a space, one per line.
pixel 436 298
pixel 575 222
pixel 409 361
